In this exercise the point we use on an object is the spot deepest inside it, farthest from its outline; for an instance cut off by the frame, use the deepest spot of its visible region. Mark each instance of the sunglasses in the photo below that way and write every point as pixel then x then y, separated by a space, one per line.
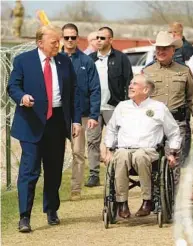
pixel 101 38
pixel 70 37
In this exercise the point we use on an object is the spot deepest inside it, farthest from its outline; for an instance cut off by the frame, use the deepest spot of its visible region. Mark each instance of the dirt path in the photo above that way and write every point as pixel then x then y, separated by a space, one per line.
pixel 81 224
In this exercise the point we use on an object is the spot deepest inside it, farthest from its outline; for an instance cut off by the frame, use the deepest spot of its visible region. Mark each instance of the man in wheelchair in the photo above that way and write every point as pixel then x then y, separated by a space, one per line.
pixel 137 126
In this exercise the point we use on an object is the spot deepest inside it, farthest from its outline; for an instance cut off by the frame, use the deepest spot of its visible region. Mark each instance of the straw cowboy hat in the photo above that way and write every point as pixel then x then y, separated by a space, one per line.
pixel 165 38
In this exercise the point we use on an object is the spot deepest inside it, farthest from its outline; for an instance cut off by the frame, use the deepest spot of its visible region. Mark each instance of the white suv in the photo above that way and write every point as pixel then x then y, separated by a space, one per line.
pixel 139 57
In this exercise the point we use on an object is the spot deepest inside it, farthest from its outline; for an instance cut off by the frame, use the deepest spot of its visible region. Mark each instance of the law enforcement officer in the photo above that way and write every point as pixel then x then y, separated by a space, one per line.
pixel 115 74
pixel 173 83
pixel 18 14
pixel 136 127
pixel 90 99
pixel 182 55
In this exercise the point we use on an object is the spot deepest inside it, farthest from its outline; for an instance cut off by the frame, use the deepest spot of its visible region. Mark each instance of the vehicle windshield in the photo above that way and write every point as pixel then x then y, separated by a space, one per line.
pixel 137 58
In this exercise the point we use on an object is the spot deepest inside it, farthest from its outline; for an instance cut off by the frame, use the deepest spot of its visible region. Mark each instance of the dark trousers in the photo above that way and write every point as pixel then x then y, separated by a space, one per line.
pixel 50 151
pixel 187 138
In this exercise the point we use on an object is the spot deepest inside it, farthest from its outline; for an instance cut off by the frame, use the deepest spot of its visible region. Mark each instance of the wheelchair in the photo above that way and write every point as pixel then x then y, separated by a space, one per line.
pixel 162 191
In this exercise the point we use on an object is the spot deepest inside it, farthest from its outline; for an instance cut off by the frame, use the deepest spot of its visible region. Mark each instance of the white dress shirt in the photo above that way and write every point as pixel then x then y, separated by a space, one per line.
pixel 142 126
pixel 56 96
pixel 190 63
pixel 102 68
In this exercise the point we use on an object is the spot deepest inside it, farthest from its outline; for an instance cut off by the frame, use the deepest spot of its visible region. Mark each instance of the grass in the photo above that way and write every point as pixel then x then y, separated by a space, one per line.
pixel 9 201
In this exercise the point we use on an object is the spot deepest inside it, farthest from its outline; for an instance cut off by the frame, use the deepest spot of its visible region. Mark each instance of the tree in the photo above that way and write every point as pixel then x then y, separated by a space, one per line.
pixel 164 12
pixel 79 11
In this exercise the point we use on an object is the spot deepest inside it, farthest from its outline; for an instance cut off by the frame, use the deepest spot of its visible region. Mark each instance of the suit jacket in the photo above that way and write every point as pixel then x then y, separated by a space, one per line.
pixel 27 78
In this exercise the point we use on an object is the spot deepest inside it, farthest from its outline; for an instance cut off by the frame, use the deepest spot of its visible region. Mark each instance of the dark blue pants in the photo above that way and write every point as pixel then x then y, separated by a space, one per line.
pixel 50 151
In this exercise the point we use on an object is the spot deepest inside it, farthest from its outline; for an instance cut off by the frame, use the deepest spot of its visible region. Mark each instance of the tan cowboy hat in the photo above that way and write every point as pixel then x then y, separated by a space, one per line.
pixel 165 38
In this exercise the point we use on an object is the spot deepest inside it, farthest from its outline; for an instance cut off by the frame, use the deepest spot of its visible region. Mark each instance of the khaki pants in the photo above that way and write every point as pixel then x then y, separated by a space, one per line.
pixel 141 160
pixel 94 140
pixel 78 152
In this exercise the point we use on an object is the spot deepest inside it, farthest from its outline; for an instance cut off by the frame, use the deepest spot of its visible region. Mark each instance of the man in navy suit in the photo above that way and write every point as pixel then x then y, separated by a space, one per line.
pixel 43 86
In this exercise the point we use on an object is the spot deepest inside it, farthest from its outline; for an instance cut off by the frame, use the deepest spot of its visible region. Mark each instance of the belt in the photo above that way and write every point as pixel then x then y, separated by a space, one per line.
pixel 179 113
pixel 114 148
pixel 57 110
pixel 127 148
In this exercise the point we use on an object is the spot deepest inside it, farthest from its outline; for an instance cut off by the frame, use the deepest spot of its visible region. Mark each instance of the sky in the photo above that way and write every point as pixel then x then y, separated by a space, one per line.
pixel 110 10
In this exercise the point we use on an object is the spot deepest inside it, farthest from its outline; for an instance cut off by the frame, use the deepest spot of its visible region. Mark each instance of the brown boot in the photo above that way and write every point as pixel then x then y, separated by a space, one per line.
pixel 123 210
pixel 145 208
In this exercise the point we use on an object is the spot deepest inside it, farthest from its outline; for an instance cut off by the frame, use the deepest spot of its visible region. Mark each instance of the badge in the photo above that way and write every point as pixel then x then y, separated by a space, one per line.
pixel 150 113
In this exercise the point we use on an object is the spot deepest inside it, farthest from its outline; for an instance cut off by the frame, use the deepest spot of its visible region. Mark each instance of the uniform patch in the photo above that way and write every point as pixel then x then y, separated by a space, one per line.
pixel 150 113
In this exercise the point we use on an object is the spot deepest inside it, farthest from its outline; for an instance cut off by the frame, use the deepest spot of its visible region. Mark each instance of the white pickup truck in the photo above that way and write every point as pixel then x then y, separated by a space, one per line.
pixel 139 57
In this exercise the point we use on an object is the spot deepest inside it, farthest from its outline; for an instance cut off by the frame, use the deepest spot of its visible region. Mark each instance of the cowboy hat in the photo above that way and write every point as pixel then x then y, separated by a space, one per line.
pixel 165 38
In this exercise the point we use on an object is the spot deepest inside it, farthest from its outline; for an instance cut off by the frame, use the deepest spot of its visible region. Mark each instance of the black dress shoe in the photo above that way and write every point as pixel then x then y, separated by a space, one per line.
pixel 93 181
pixel 24 224
pixel 52 218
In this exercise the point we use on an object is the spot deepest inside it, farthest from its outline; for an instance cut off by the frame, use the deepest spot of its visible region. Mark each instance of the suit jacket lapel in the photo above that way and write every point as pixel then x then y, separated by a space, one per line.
pixel 38 68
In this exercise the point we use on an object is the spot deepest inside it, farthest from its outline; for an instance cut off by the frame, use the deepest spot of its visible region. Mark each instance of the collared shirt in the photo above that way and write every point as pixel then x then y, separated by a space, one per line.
pixel 173 84
pixel 142 126
pixel 190 63
pixel 88 51
pixel 56 96
pixel 102 68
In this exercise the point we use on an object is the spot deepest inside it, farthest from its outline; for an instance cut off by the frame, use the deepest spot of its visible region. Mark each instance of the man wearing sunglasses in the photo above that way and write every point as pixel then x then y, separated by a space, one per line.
pixel 90 98
pixel 115 74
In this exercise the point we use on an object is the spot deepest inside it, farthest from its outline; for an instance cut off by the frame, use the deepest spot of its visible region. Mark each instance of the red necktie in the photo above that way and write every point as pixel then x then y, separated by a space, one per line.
pixel 48 83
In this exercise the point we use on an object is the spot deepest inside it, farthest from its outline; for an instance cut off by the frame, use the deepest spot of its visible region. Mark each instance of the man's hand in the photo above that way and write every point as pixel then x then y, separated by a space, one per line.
pixel 103 152
pixel 108 157
pixel 171 160
pixel 27 101
pixel 91 123
pixel 76 128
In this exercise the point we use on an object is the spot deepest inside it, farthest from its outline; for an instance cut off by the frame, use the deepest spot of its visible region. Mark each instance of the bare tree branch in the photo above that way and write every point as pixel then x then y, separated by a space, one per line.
pixel 189 10
pixel 79 11
pixel 164 12
pixel 157 7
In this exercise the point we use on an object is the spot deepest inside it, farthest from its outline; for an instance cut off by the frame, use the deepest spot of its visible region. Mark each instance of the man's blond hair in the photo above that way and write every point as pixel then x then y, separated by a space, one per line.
pixel 43 29
pixel 176 27
pixel 91 36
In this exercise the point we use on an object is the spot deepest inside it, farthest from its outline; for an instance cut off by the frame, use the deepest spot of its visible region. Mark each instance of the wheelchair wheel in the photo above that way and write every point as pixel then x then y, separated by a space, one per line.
pixel 110 208
pixel 160 219
pixel 169 179
pixel 106 217
pixel 166 191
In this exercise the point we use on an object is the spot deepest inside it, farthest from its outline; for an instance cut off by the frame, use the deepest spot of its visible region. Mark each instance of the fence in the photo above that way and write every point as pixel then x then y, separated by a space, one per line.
pixel 10 149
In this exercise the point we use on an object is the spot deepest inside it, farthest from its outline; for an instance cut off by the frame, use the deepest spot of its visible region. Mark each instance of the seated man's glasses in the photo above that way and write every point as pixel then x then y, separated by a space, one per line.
pixel 101 38
pixel 70 37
